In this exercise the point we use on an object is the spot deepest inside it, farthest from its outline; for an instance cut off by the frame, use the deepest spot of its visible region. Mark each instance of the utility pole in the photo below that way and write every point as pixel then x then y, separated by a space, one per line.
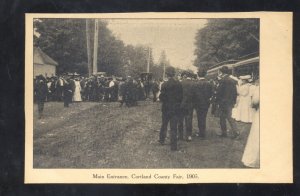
pixel 163 62
pixel 88 48
pixel 164 73
pixel 148 64
pixel 95 57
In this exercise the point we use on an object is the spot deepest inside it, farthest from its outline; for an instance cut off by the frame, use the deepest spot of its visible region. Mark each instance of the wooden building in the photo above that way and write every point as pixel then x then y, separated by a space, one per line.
pixel 43 64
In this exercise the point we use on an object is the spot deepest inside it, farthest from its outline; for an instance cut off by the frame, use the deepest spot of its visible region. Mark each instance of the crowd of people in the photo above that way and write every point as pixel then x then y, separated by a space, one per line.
pixel 231 99
pixel 74 88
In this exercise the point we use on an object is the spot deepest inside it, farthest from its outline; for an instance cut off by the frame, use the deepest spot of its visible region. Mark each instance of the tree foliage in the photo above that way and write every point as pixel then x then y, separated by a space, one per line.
pixel 110 51
pixel 163 61
pixel 65 41
pixel 225 39
pixel 136 58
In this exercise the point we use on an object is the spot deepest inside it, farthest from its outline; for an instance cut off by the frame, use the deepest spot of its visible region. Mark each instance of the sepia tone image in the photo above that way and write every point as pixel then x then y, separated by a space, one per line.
pixel 146 93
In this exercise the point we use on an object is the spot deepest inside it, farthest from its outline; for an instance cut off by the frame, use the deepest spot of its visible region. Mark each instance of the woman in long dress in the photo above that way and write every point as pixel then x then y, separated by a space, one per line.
pixel 243 109
pixel 77 92
pixel 251 93
pixel 251 152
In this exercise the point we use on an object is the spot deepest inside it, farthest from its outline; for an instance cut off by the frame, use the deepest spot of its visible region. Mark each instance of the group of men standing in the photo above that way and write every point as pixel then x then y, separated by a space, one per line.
pixel 93 88
pixel 64 88
pixel 69 88
pixel 180 98
pixel 132 90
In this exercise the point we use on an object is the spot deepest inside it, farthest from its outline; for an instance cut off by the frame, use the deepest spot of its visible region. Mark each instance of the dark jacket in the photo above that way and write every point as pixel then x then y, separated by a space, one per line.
pixel 227 92
pixel 171 95
pixel 40 90
pixel 68 89
pixel 187 97
pixel 155 87
pixel 129 90
pixel 202 93
pixel 121 88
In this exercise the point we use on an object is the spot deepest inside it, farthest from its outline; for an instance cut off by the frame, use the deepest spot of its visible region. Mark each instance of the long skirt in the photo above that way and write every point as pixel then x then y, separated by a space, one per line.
pixel 251 152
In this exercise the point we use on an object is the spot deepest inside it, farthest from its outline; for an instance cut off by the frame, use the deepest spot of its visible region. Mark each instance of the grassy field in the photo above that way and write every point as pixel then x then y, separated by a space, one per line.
pixel 104 135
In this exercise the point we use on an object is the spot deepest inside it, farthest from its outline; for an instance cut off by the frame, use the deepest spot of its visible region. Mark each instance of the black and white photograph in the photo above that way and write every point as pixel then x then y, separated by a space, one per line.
pixel 149 94
pixel 146 93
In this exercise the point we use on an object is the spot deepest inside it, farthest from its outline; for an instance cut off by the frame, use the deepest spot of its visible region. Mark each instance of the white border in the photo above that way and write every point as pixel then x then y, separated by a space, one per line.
pixel 275 109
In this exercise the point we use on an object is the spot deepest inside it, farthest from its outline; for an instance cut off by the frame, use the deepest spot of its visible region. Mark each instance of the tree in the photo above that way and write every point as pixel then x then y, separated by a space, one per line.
pixel 226 39
pixel 64 41
pixel 110 51
pixel 163 62
pixel 137 59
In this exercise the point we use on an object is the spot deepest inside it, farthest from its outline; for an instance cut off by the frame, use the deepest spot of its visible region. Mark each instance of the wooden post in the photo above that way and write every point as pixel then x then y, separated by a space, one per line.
pixel 148 64
pixel 95 57
pixel 164 73
pixel 88 48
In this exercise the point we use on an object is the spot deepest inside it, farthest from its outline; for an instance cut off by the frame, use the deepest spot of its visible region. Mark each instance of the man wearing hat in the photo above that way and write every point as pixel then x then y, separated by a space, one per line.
pixel 226 98
pixel 202 95
pixel 59 88
pixel 121 91
pixel 171 97
pixel 129 92
pixel 186 106
pixel 40 91
pixel 69 87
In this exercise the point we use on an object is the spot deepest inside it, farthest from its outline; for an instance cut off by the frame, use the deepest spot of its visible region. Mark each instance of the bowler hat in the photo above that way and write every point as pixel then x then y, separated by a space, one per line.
pixel 170 71
pixel 201 72
pixel 40 77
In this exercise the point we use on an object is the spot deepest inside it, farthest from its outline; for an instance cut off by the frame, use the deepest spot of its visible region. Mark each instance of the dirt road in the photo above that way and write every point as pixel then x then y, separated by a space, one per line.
pixel 104 135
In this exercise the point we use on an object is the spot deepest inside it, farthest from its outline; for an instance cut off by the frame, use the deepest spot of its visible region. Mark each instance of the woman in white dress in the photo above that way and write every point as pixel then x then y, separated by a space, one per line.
pixel 251 152
pixel 243 109
pixel 77 94
pixel 252 88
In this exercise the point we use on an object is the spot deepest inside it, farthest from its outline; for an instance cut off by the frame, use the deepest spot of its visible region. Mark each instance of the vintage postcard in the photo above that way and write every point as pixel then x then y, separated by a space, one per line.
pixel 159 98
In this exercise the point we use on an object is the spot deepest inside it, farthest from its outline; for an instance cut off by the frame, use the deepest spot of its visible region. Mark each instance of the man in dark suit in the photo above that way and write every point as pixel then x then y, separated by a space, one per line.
pixel 59 89
pixel 69 87
pixel 129 92
pixel 147 86
pixel 226 98
pixel 171 97
pixel 40 92
pixel 201 100
pixel 186 106
pixel 121 92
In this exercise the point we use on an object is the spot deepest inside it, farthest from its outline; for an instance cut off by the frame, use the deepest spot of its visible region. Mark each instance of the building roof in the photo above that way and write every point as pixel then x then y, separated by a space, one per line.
pixel 39 57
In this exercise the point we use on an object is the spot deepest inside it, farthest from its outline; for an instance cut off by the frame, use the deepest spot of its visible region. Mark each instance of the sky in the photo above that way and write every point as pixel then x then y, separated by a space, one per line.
pixel 175 36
